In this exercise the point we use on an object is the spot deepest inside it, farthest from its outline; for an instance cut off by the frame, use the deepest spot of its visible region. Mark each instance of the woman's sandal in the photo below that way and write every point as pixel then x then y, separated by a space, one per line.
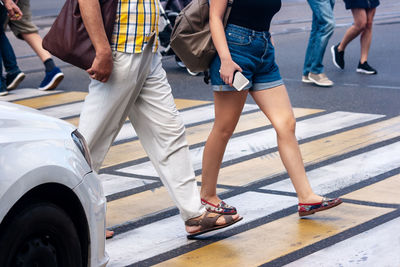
pixel 221 208
pixel 311 208
pixel 209 223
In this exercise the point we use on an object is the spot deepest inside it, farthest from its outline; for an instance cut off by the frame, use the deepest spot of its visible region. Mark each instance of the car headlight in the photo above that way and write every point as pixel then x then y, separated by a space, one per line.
pixel 80 142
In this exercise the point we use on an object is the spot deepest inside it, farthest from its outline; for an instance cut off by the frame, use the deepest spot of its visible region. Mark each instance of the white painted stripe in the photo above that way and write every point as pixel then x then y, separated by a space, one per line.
pixel 262 140
pixel 161 236
pixel 191 116
pixel 18 94
pixel 379 246
pixel 348 171
pixel 64 111
pixel 114 184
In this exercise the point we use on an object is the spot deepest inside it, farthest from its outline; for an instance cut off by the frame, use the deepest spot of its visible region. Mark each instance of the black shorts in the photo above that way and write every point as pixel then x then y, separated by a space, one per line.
pixel 350 4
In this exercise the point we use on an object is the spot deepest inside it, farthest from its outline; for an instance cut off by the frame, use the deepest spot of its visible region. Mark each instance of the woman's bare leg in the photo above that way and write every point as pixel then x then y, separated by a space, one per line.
pixel 275 104
pixel 228 107
pixel 366 35
pixel 360 23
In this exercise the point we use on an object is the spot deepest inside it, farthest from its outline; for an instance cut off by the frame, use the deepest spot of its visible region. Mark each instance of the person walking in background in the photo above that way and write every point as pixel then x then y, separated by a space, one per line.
pixel 7 57
pixel 363 13
pixel 245 45
pixel 127 80
pixel 323 24
pixel 24 29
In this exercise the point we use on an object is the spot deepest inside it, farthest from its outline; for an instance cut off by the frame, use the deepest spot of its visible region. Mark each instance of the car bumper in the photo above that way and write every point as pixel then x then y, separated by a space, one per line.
pixel 90 192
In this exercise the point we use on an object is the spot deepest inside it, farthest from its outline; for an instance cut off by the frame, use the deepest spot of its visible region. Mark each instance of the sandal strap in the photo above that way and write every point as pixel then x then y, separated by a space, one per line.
pixel 205 222
pixel 228 219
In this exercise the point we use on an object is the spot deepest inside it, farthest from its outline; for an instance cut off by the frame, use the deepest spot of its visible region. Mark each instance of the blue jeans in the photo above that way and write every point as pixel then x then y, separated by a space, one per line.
pixel 254 53
pixel 323 24
pixel 7 55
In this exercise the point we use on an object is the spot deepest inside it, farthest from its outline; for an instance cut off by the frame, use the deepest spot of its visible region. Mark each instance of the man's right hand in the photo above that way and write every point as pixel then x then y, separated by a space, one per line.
pixel 102 67
pixel 103 63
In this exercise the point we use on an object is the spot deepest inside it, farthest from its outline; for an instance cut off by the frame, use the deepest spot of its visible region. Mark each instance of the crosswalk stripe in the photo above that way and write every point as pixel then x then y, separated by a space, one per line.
pixel 278 238
pixel 386 191
pixel 74 109
pixel 369 248
pixel 312 152
pixel 20 94
pixel 348 171
pixel 113 184
pixel 64 111
pixel 269 165
pixel 180 104
pixel 196 134
pixel 137 206
pixel 252 205
pixel 52 100
pixel 129 151
pixel 250 248
pixel 266 139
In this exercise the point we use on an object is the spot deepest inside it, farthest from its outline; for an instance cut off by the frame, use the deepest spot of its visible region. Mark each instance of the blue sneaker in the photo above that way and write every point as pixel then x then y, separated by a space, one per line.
pixel 13 80
pixel 3 89
pixel 52 79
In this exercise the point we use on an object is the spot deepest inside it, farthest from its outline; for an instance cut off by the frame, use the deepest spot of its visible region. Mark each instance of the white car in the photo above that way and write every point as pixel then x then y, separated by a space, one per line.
pixel 52 206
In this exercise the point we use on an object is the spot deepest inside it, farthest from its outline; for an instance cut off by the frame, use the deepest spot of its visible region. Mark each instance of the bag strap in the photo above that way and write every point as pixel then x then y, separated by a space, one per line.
pixel 228 12
pixel 226 17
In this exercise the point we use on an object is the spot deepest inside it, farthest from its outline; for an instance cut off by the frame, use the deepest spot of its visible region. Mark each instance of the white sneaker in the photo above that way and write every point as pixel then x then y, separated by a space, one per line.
pixel 192 73
pixel 320 79
pixel 305 79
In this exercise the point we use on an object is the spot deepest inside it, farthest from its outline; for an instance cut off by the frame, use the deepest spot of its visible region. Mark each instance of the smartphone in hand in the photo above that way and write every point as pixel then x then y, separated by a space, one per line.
pixel 239 81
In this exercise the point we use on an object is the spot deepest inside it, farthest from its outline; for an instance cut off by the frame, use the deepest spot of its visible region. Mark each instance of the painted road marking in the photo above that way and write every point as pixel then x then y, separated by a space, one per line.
pixel 133 150
pixel 250 248
pixel 266 166
pixel 369 248
pixel 251 143
pixel 26 93
pixel 113 184
pixel 386 191
pixel 52 100
pixel 348 171
pixel 318 150
pixel 140 205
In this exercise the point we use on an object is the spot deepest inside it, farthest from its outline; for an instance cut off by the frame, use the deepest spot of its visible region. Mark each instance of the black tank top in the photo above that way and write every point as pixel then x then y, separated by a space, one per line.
pixel 254 14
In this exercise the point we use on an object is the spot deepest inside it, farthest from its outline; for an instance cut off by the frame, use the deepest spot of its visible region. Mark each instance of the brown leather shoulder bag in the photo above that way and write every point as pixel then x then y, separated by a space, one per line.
pixel 68 39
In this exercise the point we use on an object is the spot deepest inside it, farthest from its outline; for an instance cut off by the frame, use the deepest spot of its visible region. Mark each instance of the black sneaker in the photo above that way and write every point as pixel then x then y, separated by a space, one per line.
pixel 3 89
pixel 13 80
pixel 337 57
pixel 365 68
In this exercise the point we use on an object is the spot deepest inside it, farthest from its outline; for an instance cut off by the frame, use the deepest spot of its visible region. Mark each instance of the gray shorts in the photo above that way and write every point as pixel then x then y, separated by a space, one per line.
pixel 24 25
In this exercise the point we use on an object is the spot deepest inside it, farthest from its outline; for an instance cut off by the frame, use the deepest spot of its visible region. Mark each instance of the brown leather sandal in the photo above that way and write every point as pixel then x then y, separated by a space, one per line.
pixel 209 223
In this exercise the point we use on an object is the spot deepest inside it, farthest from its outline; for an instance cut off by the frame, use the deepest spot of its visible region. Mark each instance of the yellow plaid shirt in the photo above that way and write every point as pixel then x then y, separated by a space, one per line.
pixel 135 21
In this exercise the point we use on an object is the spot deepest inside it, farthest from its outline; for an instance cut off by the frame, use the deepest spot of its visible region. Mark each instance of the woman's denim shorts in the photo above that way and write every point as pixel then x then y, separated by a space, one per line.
pixel 254 53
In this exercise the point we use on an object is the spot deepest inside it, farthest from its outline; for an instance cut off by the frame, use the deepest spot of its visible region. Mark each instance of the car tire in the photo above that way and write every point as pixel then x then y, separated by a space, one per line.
pixel 41 234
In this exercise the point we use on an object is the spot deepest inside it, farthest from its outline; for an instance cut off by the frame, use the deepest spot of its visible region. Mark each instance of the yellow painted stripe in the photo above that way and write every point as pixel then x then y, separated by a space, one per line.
pixel 133 150
pixel 188 103
pixel 386 191
pixel 139 205
pixel 73 121
pixel 269 165
pixel 180 104
pixel 278 238
pixel 52 100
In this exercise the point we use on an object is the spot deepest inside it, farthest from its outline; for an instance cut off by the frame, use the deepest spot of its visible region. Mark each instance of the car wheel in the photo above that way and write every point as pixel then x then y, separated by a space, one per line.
pixel 41 234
